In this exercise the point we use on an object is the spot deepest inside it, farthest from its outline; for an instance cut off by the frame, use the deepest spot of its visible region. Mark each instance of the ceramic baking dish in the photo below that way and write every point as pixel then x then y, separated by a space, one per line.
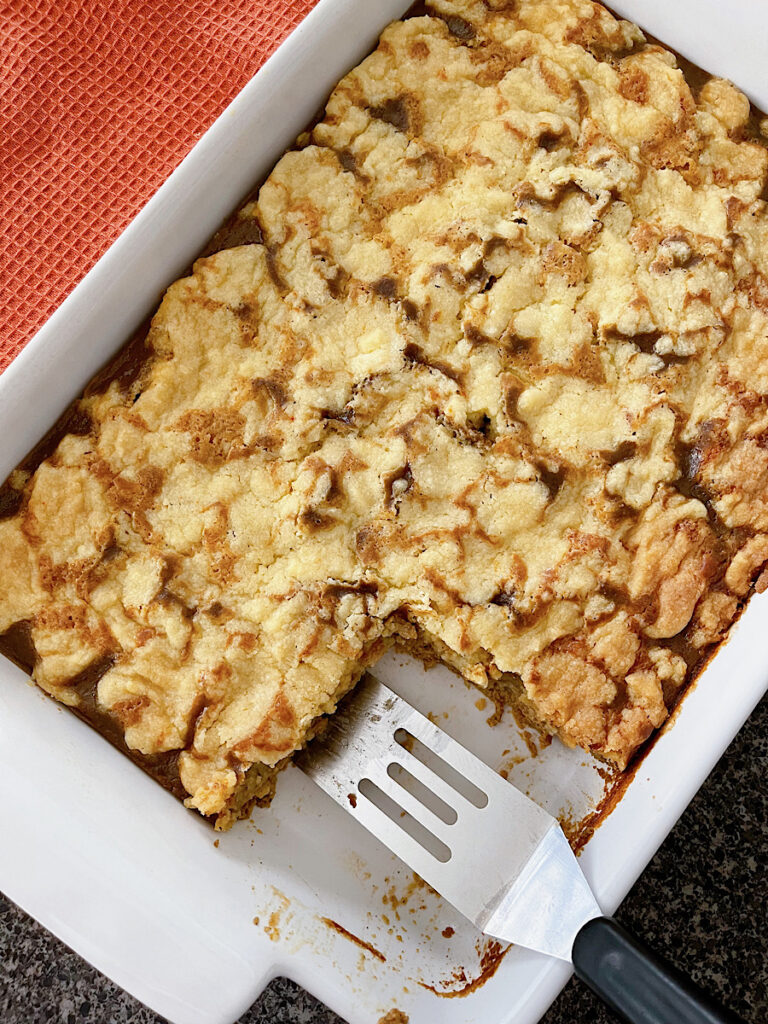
pixel 195 926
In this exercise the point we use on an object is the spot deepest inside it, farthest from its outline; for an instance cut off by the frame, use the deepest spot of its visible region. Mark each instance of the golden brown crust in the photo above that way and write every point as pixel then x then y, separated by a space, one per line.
pixel 481 370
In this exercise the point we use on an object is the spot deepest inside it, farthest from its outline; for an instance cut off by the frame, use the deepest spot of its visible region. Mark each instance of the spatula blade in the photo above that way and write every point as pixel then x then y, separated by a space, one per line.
pixel 489 850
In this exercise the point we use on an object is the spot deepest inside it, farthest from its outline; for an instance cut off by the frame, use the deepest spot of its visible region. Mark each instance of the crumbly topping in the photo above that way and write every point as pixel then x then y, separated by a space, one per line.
pixel 483 368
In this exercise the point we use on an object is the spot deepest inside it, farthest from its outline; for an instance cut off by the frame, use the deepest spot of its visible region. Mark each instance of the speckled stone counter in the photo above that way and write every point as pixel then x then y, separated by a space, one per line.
pixel 702 901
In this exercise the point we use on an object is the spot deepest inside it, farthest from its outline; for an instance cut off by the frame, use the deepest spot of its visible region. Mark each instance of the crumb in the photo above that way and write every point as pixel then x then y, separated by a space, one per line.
pixel 394 1017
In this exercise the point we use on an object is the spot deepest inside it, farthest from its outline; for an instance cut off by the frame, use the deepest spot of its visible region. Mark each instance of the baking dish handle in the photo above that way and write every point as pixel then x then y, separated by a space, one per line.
pixel 635 983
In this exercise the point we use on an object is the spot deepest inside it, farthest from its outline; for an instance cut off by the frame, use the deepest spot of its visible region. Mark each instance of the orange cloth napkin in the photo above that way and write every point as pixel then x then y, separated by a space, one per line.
pixel 99 101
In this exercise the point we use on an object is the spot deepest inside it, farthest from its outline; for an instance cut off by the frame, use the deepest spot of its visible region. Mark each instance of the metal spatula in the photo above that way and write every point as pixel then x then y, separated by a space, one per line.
pixel 489 850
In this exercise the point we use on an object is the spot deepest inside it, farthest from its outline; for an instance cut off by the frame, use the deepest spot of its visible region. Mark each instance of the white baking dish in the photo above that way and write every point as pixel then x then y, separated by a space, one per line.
pixel 114 866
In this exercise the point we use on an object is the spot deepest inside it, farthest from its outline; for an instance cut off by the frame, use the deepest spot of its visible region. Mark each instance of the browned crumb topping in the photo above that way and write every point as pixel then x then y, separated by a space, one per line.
pixel 482 372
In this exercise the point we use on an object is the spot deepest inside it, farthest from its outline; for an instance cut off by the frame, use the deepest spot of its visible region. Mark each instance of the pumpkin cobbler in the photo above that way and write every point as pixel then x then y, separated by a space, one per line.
pixel 482 371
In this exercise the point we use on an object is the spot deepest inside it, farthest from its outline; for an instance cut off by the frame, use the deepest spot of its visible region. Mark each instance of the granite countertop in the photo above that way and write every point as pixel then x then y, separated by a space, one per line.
pixel 702 901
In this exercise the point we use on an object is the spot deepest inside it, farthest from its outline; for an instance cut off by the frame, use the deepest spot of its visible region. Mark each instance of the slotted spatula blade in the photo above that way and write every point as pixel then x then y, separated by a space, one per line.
pixel 489 850
pixel 498 857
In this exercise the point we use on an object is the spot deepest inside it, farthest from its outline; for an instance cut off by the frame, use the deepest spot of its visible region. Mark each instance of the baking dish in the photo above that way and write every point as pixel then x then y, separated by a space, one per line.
pixel 133 877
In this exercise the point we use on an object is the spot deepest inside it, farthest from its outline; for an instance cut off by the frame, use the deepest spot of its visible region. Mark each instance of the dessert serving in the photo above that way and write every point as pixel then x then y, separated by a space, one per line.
pixel 480 372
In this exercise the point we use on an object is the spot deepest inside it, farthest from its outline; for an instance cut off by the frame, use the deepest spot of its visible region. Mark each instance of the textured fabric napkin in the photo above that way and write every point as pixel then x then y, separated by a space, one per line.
pixel 99 101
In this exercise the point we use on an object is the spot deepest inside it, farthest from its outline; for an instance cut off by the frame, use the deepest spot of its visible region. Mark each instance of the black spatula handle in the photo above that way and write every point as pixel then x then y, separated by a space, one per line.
pixel 635 983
